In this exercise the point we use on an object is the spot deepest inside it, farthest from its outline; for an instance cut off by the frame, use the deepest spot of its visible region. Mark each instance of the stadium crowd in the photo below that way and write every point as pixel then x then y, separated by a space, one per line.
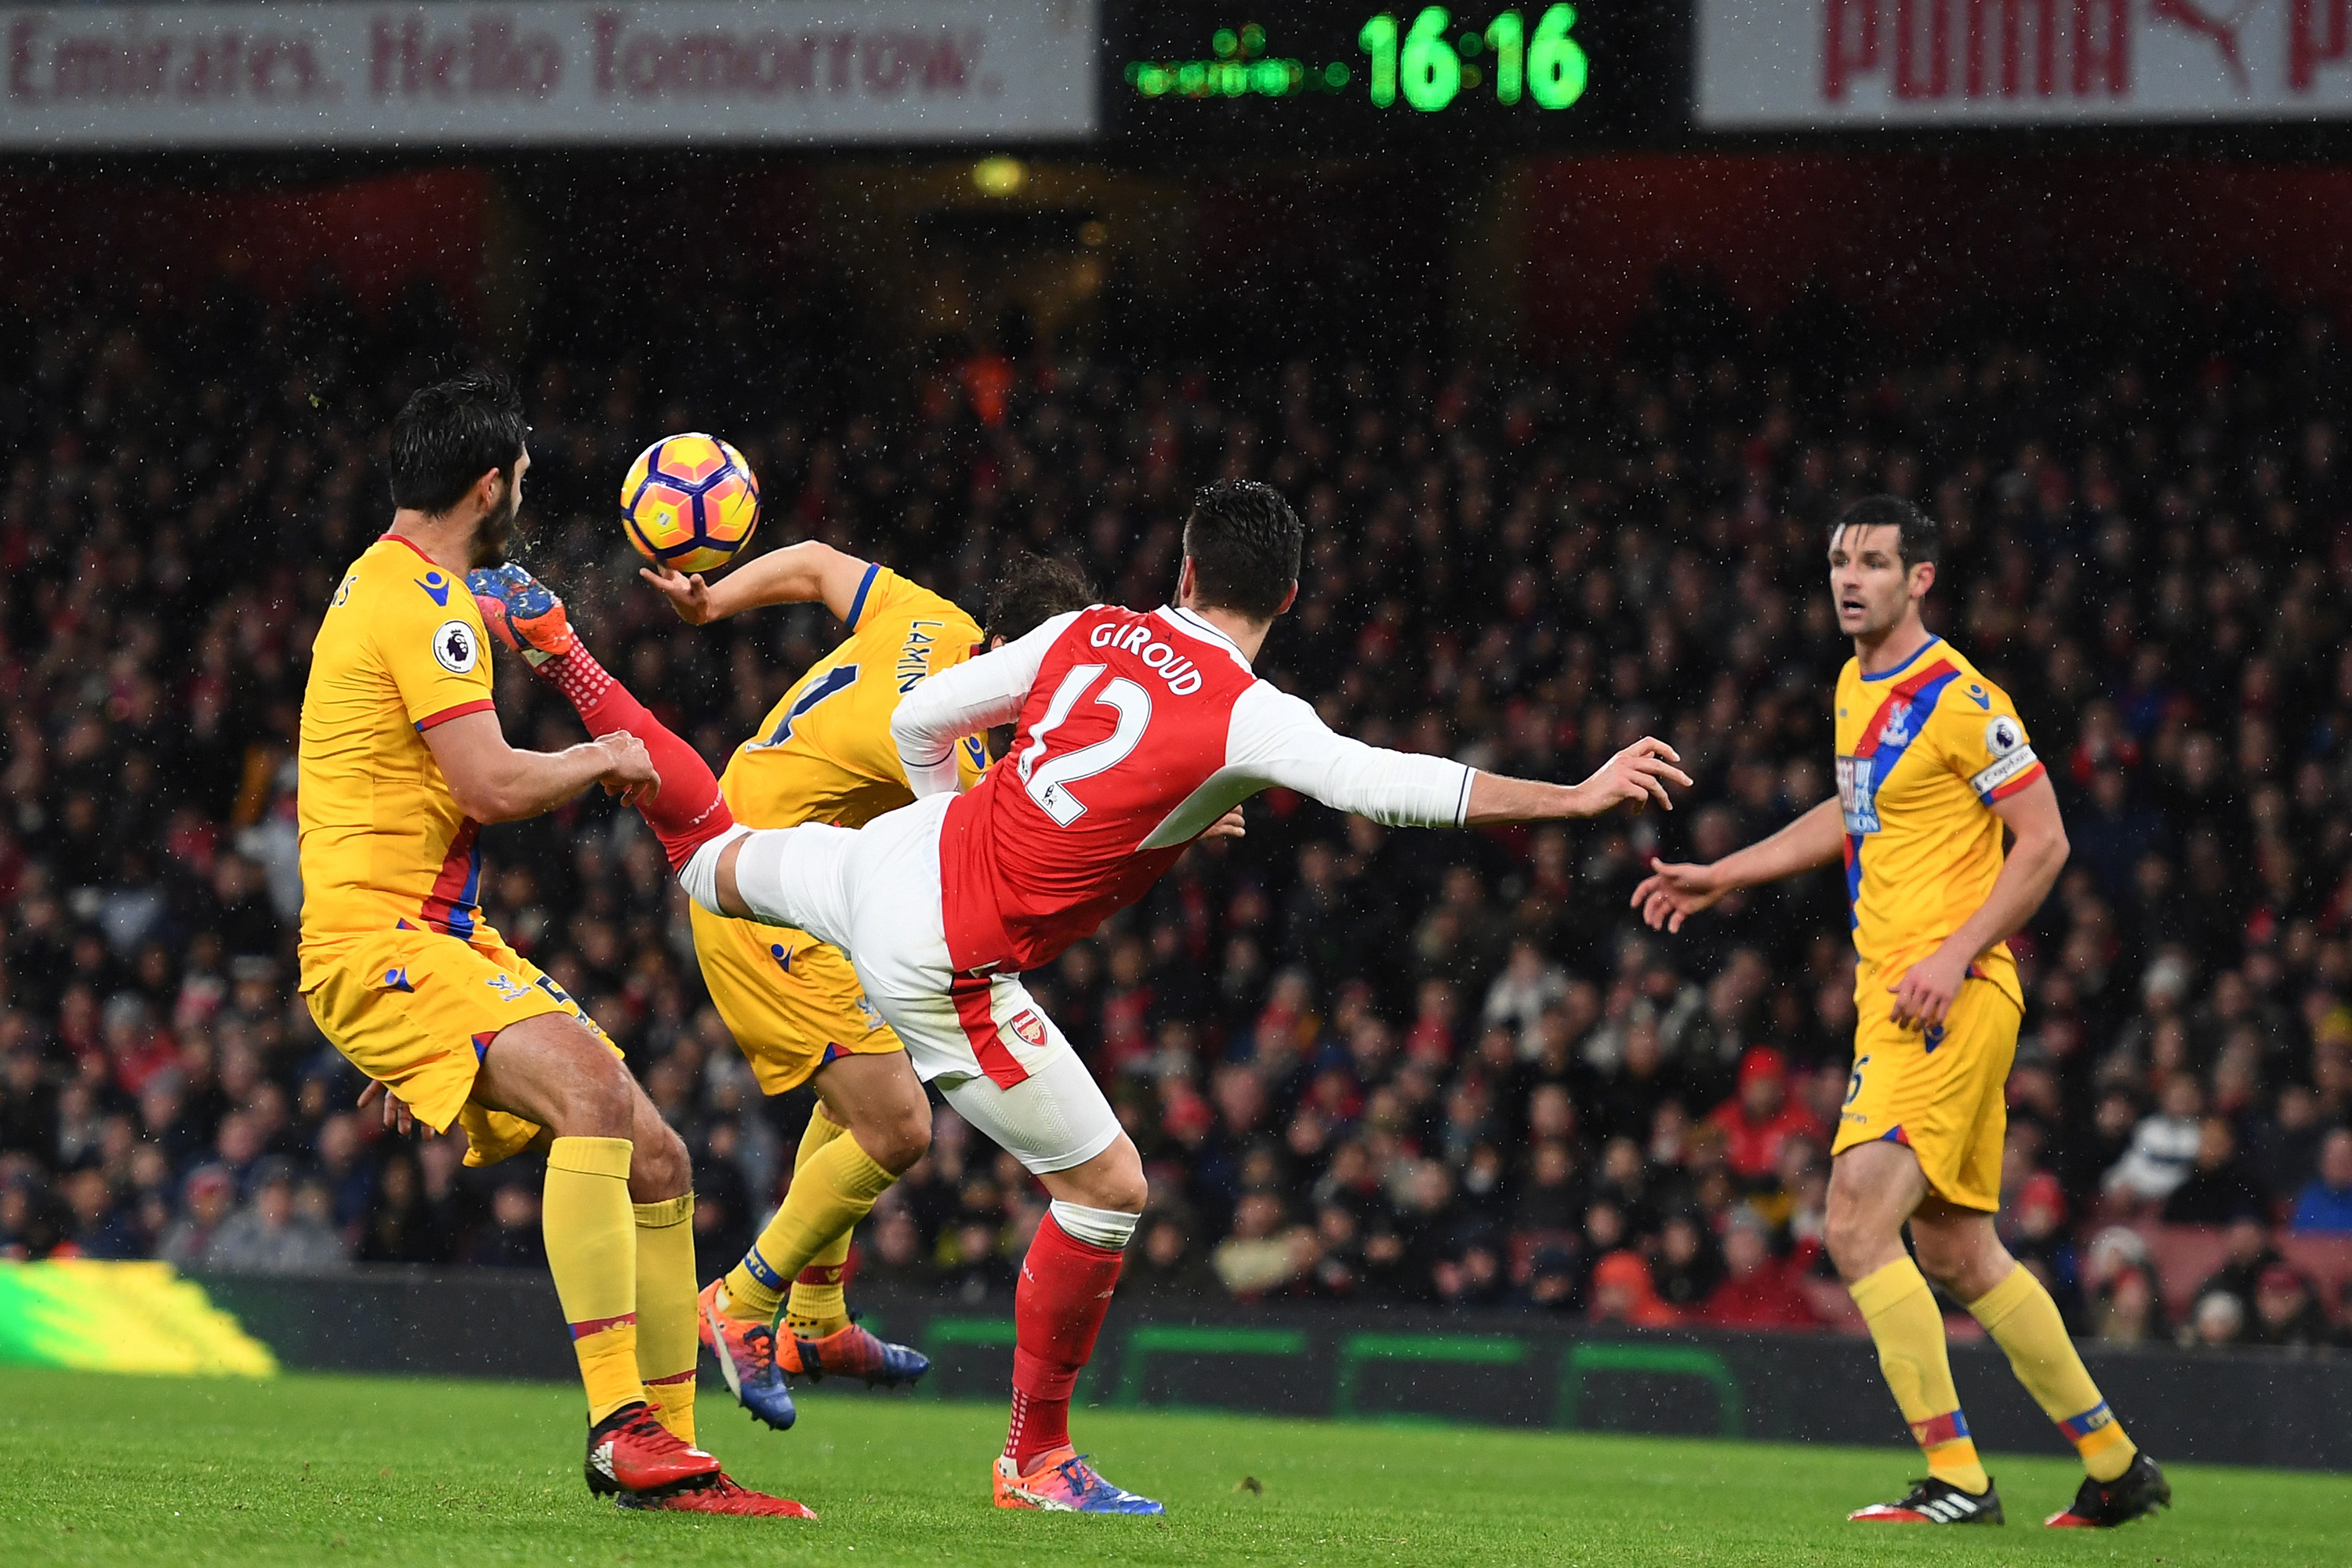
pixel 1363 1065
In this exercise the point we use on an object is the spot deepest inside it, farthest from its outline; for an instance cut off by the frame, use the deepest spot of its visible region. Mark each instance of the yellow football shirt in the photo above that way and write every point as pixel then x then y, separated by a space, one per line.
pixel 402 648
pixel 1924 750
pixel 824 753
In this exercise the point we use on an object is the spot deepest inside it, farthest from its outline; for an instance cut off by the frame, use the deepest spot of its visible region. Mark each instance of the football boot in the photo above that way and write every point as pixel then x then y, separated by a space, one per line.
pixel 1933 1501
pixel 1061 1481
pixel 2103 1505
pixel 522 613
pixel 747 1359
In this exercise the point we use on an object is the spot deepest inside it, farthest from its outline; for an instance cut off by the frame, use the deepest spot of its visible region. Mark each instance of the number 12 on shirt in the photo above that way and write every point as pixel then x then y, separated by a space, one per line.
pixel 1048 785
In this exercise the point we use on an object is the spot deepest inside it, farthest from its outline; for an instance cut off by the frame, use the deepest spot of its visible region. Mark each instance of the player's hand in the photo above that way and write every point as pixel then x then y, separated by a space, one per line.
pixel 689 597
pixel 1636 776
pixel 1673 892
pixel 396 1115
pixel 1229 825
pixel 1924 997
pixel 630 773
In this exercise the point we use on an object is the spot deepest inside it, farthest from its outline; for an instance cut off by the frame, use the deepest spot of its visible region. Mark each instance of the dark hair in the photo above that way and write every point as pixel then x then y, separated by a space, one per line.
pixel 1918 537
pixel 451 432
pixel 1244 542
pixel 1032 590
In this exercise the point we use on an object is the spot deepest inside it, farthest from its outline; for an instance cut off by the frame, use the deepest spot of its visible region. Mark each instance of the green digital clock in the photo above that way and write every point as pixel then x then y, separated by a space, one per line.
pixel 1350 76
pixel 1414 62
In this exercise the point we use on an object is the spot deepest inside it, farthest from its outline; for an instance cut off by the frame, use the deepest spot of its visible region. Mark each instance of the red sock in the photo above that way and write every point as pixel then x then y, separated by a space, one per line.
pixel 1057 1310
pixel 687 812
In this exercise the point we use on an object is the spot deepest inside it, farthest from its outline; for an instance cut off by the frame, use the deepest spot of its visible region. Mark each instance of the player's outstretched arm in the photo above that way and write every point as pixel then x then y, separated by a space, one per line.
pixel 1925 992
pixel 1674 891
pixel 1635 776
pixel 1277 739
pixel 492 782
pixel 804 573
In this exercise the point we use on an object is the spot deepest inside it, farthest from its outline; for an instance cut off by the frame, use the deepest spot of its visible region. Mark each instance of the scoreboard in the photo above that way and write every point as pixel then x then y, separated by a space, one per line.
pixel 1369 76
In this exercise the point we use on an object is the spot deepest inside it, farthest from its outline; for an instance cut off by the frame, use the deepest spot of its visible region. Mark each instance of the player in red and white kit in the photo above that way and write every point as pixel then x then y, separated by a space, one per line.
pixel 1135 733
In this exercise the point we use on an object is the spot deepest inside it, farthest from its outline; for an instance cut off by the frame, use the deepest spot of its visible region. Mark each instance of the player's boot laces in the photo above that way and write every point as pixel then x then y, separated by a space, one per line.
pixel 747 1359
pixel 2103 1505
pixel 1934 1501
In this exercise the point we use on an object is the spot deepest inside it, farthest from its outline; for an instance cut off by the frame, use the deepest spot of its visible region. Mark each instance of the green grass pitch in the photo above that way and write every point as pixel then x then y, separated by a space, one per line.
pixel 307 1470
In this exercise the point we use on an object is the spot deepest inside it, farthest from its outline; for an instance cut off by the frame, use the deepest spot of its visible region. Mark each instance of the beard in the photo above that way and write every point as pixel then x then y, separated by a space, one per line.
pixel 495 533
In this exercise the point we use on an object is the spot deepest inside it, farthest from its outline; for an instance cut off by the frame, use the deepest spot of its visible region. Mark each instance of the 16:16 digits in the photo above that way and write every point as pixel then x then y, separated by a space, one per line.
pixel 1423 67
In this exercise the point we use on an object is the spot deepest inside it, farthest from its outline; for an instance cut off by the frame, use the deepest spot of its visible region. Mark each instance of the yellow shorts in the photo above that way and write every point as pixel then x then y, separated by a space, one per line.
pixel 415 1010
pixel 792 1003
pixel 1939 1092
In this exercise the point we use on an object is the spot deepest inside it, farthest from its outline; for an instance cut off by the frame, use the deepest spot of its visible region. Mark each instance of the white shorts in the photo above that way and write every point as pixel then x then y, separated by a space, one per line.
pixel 874 893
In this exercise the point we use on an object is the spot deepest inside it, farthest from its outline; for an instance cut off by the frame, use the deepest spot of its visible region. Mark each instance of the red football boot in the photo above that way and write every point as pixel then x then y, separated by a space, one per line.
pixel 719 1494
pixel 631 1451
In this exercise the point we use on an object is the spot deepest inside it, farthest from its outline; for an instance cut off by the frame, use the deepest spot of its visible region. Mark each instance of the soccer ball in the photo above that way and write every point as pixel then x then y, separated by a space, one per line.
pixel 689 502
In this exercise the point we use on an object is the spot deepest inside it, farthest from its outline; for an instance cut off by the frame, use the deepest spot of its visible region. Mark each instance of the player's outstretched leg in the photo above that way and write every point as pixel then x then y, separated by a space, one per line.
pixel 527 617
pixel 2121 1483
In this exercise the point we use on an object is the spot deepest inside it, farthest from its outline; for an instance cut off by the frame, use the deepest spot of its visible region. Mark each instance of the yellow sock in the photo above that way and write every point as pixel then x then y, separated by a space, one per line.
pixel 1909 1334
pixel 592 1250
pixel 754 1292
pixel 2024 1322
pixel 816 1307
pixel 667 1343
pixel 832 1190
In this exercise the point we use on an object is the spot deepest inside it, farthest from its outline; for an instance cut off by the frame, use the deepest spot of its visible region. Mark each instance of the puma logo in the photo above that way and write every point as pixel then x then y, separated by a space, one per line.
pixel 2221 31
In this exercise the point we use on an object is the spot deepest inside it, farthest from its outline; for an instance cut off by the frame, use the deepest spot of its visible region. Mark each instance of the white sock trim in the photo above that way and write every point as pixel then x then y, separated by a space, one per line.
pixel 699 875
pixel 1106 1228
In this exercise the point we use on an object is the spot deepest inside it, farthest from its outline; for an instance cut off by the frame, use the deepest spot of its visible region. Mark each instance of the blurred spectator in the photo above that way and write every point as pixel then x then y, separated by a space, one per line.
pixel 1759 1117
pixel 2287 1312
pixel 1530 984
pixel 100 1228
pixel 206 1198
pixel 2163 1146
pixel 2326 1204
pixel 1756 1292
pixel 274 1232
pixel 2220 1185
pixel 1622 1294
pixel 1164 1264
pixel 2217 1321
pixel 514 1239
pixel 1689 1264
pixel 2248 1253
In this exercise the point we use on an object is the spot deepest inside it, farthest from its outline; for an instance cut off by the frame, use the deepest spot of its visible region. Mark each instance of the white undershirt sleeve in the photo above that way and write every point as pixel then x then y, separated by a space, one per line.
pixel 1277 739
pixel 976 695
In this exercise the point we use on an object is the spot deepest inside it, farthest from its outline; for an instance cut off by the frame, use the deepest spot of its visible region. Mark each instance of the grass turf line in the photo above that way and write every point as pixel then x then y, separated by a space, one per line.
pixel 309 1469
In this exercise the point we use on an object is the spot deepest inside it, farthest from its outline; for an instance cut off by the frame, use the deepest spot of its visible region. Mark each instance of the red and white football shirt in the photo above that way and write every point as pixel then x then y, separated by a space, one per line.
pixel 1136 733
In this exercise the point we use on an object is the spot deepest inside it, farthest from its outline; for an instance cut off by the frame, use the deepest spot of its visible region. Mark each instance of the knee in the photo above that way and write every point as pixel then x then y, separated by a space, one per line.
pixel 659 1167
pixel 1118 1184
pixel 1857 1245
pixel 1961 1267
pixel 899 1137
pixel 1129 1194
pixel 597 1099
